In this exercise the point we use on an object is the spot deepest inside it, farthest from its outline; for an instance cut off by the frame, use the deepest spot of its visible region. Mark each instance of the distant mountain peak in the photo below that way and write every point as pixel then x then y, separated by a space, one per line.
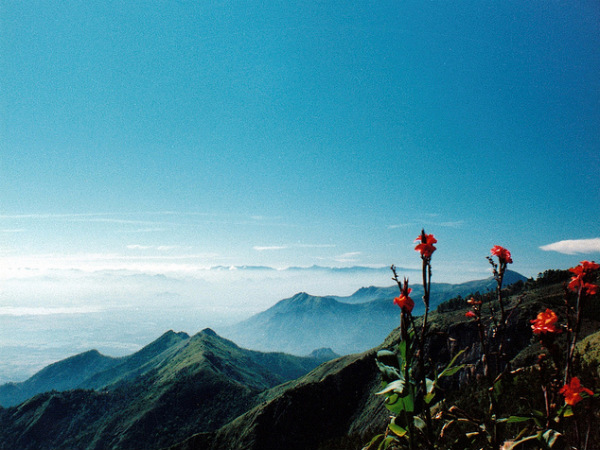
pixel 324 354
pixel 209 332
pixel 170 333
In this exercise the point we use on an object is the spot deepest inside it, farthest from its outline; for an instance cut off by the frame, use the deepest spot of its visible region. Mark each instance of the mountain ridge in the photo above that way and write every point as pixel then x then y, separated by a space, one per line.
pixel 304 322
pixel 183 383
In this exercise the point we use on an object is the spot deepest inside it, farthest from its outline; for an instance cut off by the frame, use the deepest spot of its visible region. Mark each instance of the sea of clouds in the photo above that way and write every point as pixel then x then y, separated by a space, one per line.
pixel 45 317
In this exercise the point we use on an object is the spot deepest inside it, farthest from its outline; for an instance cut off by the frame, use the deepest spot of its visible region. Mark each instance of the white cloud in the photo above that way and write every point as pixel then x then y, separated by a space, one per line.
pixel 574 246
pixel 314 245
pixel 427 223
pixel 347 257
pixel 269 247
pixel 160 248
pixel 19 266
pixel 142 230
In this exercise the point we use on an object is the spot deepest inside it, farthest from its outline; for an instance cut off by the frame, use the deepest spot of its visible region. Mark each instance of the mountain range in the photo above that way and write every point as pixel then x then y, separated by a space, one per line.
pixel 350 324
pixel 205 392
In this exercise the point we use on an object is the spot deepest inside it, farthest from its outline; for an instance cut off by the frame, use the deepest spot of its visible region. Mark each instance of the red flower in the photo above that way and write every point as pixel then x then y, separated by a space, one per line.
pixel 502 254
pixel 578 282
pixel 572 391
pixel 589 266
pixel 471 314
pixel 426 247
pixel 545 322
pixel 591 289
pixel 404 301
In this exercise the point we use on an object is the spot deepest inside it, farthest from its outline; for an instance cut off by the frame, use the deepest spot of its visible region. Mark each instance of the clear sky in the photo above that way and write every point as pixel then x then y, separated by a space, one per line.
pixel 175 135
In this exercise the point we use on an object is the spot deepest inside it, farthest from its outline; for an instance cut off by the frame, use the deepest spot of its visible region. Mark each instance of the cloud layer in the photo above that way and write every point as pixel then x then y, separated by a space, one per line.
pixel 574 246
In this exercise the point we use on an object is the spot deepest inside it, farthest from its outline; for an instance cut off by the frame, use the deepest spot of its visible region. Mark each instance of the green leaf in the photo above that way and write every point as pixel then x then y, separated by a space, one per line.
pixel 430 384
pixel 514 419
pixel 448 372
pixel 520 442
pixel 397 429
pixel 429 397
pixel 383 353
pixel 388 372
pixel 374 442
pixel 419 423
pixel 386 443
pixel 450 369
pixel 396 386
pixel 388 358
pixel 402 347
pixel 552 439
pixel 386 354
pixel 400 404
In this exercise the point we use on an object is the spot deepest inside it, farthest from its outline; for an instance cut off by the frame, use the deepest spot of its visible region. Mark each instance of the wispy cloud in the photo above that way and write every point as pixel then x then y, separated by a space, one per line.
pixel 160 248
pixel 314 245
pixel 574 246
pixel 13 265
pixel 428 223
pixel 152 221
pixel 139 247
pixel 400 225
pixel 260 248
pixel 111 218
pixel 347 257
pixel 13 230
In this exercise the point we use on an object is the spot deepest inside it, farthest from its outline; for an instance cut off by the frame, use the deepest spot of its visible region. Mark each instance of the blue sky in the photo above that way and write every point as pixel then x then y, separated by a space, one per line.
pixel 158 136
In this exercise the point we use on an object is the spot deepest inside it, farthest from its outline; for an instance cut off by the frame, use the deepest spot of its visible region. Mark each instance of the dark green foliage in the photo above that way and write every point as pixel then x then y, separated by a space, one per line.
pixel 454 304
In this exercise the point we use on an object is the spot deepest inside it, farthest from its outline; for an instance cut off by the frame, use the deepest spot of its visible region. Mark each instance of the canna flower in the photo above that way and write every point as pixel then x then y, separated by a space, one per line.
pixel 578 283
pixel 545 322
pixel 590 289
pixel 404 301
pixel 572 391
pixel 502 254
pixel 589 266
pixel 470 314
pixel 425 247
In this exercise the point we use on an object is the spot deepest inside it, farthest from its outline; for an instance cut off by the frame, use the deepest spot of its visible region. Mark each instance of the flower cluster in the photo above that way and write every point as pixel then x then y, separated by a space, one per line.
pixel 578 282
pixel 411 393
pixel 572 391
pixel 476 305
pixel 404 301
pixel 502 254
pixel 425 246
pixel 545 322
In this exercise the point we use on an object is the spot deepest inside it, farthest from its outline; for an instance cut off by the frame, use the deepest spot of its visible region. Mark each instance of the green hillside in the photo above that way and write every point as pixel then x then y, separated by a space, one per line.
pixel 335 406
pixel 205 392
pixel 174 387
